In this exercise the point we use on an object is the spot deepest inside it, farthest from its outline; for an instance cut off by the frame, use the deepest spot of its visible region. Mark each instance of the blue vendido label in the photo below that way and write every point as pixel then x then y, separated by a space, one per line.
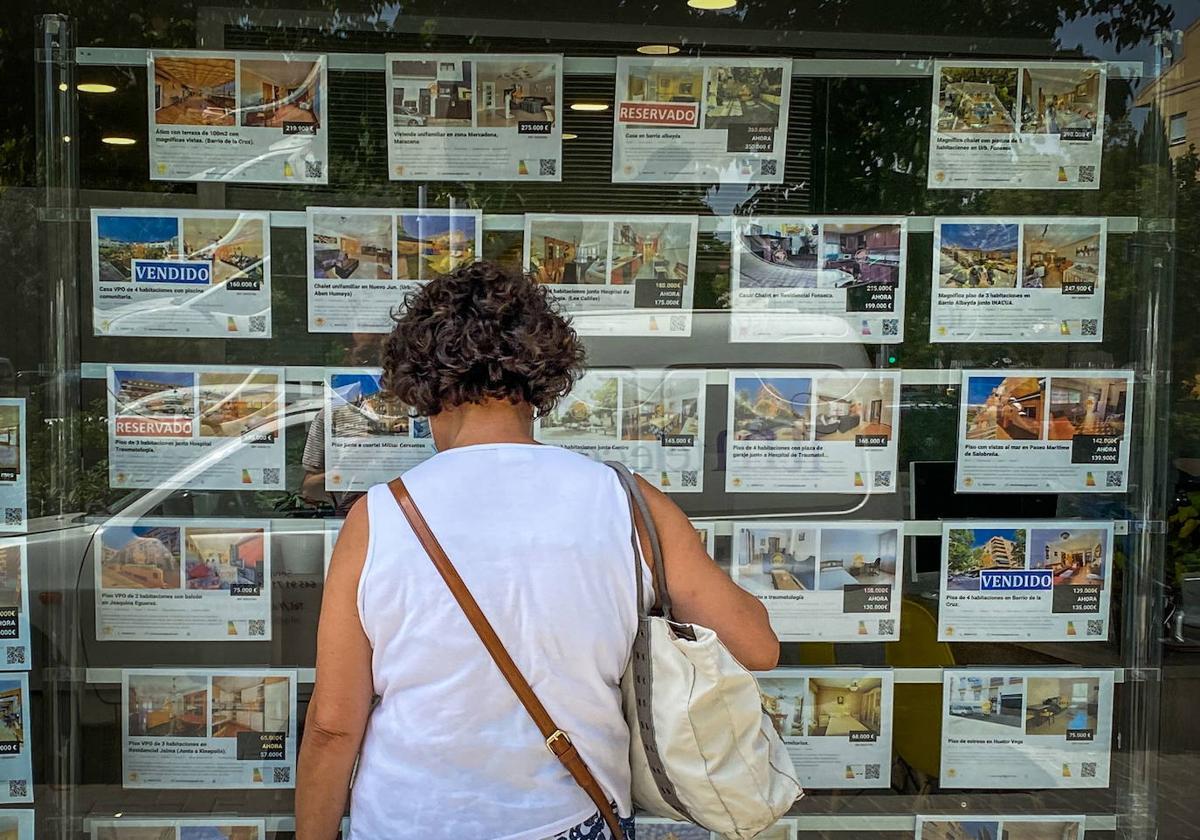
pixel 191 273
pixel 993 579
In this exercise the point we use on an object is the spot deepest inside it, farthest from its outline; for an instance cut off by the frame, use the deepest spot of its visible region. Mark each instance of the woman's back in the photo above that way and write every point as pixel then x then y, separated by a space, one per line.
pixel 541 536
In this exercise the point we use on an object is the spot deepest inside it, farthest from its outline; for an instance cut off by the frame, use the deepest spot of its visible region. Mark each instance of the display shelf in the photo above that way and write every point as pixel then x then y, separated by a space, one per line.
pixel 601 66
pixel 902 676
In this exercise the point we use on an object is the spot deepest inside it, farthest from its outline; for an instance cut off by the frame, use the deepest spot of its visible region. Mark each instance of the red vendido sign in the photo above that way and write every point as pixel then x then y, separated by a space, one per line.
pixel 659 113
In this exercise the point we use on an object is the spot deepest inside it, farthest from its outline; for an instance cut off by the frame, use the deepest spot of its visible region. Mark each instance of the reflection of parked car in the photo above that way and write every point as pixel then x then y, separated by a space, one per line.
pixel 408 116
pixel 963 708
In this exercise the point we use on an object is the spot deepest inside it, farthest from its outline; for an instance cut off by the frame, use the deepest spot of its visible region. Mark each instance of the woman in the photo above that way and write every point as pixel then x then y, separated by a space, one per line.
pixel 541 536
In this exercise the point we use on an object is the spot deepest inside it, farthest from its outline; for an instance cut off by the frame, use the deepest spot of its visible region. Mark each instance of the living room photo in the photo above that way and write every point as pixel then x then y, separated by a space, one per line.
pixel 850 406
pixel 775 559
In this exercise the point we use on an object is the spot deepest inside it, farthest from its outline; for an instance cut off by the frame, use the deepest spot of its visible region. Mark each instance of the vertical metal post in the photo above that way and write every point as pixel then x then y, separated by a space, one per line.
pixel 1145 566
pixel 58 181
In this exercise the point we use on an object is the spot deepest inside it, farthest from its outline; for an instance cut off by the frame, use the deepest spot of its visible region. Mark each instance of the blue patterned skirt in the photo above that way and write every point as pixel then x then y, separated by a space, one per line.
pixel 594 828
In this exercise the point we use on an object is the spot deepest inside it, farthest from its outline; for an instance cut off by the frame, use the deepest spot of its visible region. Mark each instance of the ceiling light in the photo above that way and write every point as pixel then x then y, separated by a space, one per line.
pixel 63 86
pixel 712 5
pixel 658 49
pixel 118 141
pixel 569 136
pixel 96 87
pixel 589 106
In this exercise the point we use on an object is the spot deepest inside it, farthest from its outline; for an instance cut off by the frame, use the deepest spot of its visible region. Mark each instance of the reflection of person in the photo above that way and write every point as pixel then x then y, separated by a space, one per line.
pixel 541 535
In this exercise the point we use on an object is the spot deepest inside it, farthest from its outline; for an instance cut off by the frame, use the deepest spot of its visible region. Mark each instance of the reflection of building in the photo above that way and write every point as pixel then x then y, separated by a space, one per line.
pixel 1177 94
pixel 1000 553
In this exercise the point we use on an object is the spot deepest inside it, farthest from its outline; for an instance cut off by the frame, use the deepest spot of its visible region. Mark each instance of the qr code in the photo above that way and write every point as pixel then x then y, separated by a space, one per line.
pixel 314 169
pixel 15 655
pixel 14 516
pixel 547 166
pixel 1095 627
pixel 872 771
pixel 281 775
pixel 1088 770
pixel 1089 326
pixel 768 167
pixel 689 478
pixel 258 323
pixel 18 787
pixel 1087 174
pixel 883 478
pixel 887 626
pixel 1114 478
pixel 270 475
pixel 678 323
pixel 258 627
pixel 891 326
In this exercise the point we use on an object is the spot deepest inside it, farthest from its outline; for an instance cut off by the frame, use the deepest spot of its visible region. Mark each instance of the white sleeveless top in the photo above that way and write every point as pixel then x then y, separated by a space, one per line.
pixel 541 536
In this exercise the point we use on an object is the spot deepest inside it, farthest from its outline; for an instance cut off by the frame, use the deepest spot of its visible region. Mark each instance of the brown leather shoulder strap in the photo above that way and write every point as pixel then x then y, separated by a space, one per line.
pixel 556 740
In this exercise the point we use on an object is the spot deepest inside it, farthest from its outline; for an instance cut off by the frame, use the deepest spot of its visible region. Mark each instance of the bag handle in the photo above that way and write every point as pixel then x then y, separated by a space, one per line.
pixel 557 741
pixel 643 523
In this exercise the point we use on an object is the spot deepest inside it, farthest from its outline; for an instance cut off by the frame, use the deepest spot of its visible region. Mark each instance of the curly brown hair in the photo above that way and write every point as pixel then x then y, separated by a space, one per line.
pixel 480 332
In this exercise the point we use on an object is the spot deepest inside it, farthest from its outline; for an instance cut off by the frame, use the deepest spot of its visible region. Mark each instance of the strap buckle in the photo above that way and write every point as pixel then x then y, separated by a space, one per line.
pixel 554 737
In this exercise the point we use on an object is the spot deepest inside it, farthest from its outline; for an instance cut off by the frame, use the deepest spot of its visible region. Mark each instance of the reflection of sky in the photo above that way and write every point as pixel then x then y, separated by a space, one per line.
pixel 979 388
pixel 136 228
pixel 118 536
pixel 838 541
pixel 350 386
pixel 982 535
pixel 178 378
pixel 985 237
pixel 796 390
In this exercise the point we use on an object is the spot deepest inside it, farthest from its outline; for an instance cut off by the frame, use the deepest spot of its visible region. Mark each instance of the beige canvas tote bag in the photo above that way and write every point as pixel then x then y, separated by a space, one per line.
pixel 702 747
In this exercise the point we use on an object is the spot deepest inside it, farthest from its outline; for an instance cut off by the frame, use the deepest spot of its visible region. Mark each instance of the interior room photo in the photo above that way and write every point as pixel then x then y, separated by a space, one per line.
pixel 847 407
pixel 982 829
pixel 742 95
pixel 162 706
pixel 569 252
pixel 194 91
pixel 232 404
pixel 1055 705
pixel 10 441
pixel 656 405
pixel 851 556
pixel 1054 100
pixel 776 559
pixel 249 704
pixel 1087 406
pixel 860 254
pixel 10 577
pixel 779 255
pixel 218 558
pixel 841 705
pixel 1075 556
pixel 1042 830
pixel 235 247
pixel 649 252
pixel 1060 253
pixel 354 246
pixel 275 93
pixel 511 92
pixel 431 92
pixel 787 703
pixel 135 832
pixel 664 83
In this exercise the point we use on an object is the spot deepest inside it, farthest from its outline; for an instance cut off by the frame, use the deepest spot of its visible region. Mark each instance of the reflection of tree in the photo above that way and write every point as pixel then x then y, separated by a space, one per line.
pixel 1018 550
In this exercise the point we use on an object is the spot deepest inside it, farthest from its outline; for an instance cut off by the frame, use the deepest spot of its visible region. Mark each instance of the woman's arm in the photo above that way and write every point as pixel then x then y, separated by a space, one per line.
pixel 703 594
pixel 341 701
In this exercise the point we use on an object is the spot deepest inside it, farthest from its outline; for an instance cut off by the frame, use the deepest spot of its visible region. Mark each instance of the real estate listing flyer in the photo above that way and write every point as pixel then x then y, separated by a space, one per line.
pixel 190 273
pixel 701 120
pixel 363 261
pixel 16 775
pixel 656 828
pixel 17 823
pixel 1026 728
pixel 208 728
pixel 812 431
pixel 14 605
pixel 818 279
pixel 1033 125
pixel 14 465
pixel 652 421
pixel 616 275
pixel 254 117
pixel 1042 580
pixel 333 529
pixel 1028 279
pixel 1062 431
pixel 213 428
pixel 706 531
pixel 822 581
pixel 474 116
pixel 170 580
pixel 992 827
pixel 370 436
pixel 836 723
pixel 208 828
